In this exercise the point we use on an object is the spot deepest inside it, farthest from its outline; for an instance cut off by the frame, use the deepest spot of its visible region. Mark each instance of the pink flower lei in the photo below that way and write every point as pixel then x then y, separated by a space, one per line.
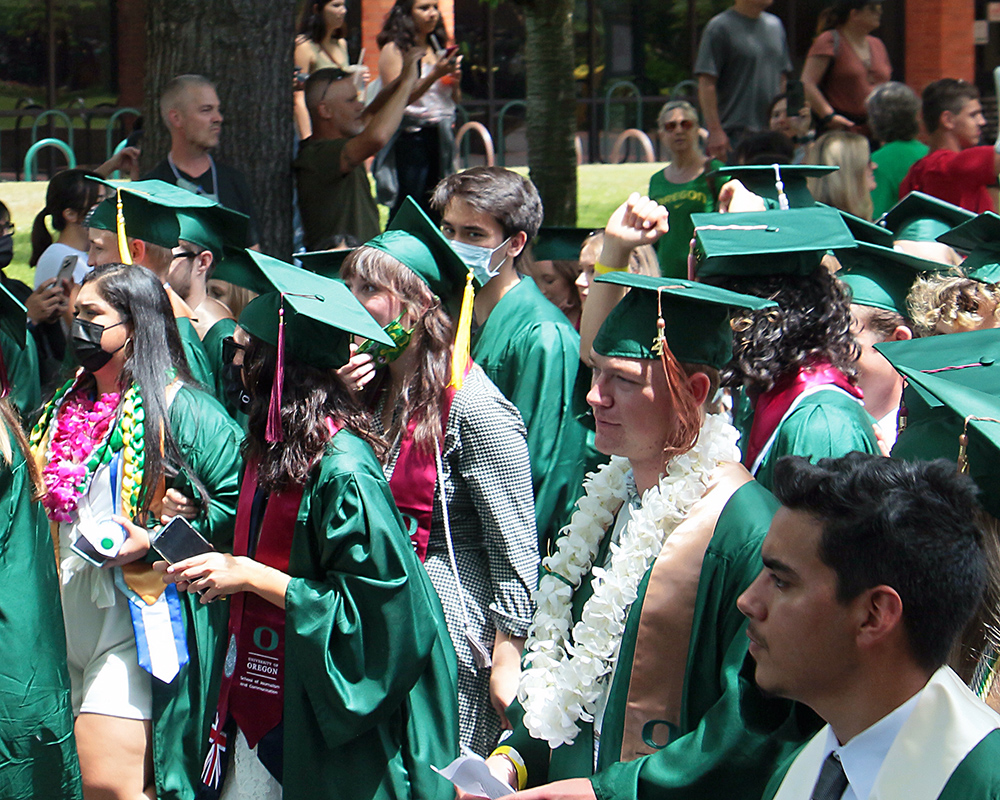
pixel 81 424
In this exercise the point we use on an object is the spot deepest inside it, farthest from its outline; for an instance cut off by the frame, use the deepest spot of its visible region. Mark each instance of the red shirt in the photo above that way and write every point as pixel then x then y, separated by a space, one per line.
pixel 959 178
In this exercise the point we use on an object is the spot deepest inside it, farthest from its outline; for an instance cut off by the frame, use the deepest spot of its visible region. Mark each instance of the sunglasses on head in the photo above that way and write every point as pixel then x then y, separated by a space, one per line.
pixel 683 124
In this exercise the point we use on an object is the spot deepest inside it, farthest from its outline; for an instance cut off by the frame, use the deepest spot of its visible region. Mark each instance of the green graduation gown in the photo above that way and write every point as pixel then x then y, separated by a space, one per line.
pixel 370 686
pixel 948 748
pixel 682 678
pixel 531 351
pixel 198 362
pixel 183 709
pixel 826 424
pixel 37 749
pixel 212 345
pixel 22 371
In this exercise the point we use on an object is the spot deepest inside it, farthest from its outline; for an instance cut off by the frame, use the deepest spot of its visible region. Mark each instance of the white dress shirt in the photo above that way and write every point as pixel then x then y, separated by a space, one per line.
pixel 863 755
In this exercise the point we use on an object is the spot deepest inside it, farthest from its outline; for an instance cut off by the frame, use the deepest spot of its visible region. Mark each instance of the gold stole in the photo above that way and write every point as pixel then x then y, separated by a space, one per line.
pixel 656 684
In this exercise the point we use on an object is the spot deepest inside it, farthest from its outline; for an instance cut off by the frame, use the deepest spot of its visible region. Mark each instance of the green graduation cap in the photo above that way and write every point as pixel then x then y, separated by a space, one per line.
pixel 696 316
pixel 863 230
pixel 325 262
pixel 213 228
pixel 327 302
pixel 980 238
pixel 559 244
pixel 417 243
pixel 935 433
pixel 320 320
pixel 918 217
pixel 261 273
pixel 149 208
pixel 309 321
pixel 789 242
pixel 763 180
pixel 13 317
pixel 969 359
pixel 881 277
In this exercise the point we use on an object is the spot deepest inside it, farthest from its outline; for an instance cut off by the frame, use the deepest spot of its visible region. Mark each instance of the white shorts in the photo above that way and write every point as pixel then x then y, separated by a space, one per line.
pixel 105 676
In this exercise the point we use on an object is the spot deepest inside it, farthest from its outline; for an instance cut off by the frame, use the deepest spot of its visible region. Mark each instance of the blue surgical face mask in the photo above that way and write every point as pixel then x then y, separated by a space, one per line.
pixel 480 259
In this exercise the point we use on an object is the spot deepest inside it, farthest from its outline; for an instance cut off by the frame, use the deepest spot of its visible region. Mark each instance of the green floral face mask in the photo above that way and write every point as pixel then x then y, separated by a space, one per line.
pixel 384 354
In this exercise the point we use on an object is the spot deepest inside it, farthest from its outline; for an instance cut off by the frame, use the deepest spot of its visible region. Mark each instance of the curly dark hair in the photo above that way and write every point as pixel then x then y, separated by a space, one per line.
pixel 399 29
pixel 309 395
pixel 812 322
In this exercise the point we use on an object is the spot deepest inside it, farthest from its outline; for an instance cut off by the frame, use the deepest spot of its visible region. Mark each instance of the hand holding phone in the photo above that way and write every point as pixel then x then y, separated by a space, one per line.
pixel 66 270
pixel 178 540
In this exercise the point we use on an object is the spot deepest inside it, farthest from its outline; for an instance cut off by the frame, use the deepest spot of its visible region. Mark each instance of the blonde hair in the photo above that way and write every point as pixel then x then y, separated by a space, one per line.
pixel 641 261
pixel 847 188
pixel 689 111
pixel 951 299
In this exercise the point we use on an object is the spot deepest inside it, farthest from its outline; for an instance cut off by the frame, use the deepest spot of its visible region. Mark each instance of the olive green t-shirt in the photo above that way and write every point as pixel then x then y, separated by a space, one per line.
pixel 333 203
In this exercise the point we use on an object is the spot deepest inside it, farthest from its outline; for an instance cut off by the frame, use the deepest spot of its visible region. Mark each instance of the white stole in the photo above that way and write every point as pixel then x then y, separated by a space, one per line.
pixel 947 722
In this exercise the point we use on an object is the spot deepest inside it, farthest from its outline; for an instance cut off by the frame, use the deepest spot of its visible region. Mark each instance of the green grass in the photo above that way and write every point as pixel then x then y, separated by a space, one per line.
pixel 601 189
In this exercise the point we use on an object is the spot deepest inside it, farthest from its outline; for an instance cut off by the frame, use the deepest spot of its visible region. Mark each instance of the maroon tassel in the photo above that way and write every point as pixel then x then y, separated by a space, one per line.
pixel 274 431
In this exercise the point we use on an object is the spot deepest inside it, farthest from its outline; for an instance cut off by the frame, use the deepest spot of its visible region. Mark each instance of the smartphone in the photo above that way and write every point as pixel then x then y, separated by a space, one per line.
pixel 66 270
pixel 178 540
pixel 449 51
pixel 796 97
pixel 100 544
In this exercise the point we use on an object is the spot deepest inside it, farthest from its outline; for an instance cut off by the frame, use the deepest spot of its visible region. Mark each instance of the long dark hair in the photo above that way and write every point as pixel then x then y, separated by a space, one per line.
pixel 309 395
pixel 812 323
pixel 421 398
pixel 69 190
pixel 399 29
pixel 311 23
pixel 154 356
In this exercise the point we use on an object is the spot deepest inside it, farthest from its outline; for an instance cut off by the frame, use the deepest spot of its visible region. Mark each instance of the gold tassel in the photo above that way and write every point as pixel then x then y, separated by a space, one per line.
pixel 463 337
pixel 123 252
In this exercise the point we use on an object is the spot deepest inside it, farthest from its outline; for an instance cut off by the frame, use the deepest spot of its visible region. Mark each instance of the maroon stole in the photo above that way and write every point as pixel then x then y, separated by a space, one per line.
pixel 252 688
pixel 414 478
pixel 773 404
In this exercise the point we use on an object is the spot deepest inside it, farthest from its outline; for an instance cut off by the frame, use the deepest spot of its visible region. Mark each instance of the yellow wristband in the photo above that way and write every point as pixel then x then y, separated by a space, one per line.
pixel 514 757
pixel 604 269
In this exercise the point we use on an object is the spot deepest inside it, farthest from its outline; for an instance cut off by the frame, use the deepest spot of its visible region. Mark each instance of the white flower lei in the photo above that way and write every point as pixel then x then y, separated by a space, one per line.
pixel 567 668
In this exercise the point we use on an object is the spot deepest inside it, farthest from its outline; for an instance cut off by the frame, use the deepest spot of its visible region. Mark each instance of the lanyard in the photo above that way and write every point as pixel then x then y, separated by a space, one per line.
pixel 191 186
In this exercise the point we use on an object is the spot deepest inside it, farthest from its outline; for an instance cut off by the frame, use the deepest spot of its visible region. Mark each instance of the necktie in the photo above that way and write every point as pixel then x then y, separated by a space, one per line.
pixel 832 781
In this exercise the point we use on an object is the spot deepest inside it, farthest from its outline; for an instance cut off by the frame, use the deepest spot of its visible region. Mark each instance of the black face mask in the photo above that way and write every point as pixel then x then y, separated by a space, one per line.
pixel 232 385
pixel 85 339
pixel 6 250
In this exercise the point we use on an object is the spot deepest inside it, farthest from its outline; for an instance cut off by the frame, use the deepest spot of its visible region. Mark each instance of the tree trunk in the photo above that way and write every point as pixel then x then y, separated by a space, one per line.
pixel 245 48
pixel 551 99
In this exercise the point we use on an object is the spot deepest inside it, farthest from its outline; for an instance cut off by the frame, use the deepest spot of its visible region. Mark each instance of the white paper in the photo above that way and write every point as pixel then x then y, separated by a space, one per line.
pixel 472 776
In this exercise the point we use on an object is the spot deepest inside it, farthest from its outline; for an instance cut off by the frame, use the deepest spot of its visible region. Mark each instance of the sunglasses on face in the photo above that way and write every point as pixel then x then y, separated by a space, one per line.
pixel 683 124
pixel 230 347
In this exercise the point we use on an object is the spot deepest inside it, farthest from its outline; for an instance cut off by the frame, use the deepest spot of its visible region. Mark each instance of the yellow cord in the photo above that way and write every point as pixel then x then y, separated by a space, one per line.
pixel 463 337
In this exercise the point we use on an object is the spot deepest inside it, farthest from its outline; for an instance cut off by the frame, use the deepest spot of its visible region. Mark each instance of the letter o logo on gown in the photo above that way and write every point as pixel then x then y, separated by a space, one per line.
pixel 259 637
